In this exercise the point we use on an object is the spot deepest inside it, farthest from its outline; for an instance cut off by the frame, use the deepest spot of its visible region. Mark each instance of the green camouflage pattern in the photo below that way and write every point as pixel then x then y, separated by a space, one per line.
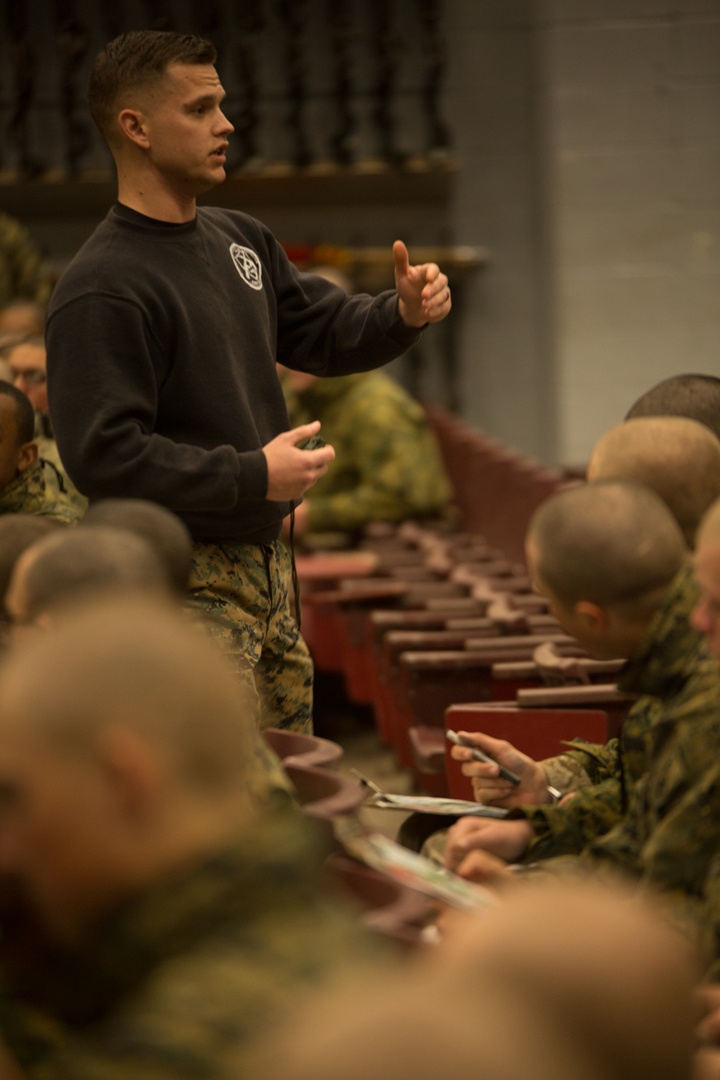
pixel 48 451
pixel 682 758
pixel 179 984
pixel 242 591
pixel 677 682
pixel 22 273
pixel 38 491
pixel 387 463
pixel 669 837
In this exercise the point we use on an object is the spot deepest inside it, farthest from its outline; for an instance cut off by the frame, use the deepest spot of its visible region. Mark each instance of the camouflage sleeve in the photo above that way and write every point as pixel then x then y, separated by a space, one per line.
pixel 566 773
pixel 669 836
pixel 598 761
pixel 397 468
pixel 565 829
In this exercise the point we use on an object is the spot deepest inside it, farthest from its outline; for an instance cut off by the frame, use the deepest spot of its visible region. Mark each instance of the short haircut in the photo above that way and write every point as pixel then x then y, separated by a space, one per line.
pixel 67 566
pixel 677 457
pixel 694 396
pixel 168 536
pixel 24 412
pixel 18 532
pixel 135 62
pixel 609 543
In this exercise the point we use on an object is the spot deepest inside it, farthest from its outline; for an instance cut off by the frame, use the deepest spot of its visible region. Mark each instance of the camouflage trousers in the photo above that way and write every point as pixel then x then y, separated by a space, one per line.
pixel 242 591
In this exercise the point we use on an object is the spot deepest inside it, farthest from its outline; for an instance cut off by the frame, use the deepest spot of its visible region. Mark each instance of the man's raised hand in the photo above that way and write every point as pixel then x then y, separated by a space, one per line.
pixel 423 290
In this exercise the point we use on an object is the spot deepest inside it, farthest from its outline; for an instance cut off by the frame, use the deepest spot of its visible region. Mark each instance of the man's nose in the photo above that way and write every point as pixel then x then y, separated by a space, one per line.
pixel 225 126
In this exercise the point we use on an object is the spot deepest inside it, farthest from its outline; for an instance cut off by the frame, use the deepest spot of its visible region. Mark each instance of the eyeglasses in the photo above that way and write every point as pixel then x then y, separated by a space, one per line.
pixel 33 376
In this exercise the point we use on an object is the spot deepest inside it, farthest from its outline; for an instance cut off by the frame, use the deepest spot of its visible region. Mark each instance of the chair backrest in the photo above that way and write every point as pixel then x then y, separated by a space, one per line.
pixel 558 670
pixel 323 793
pixel 294 747
pixel 387 906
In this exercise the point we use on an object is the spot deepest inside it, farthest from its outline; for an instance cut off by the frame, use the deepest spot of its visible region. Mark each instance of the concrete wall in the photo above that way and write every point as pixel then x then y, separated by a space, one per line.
pixel 589 132
pixel 493 100
pixel 631 92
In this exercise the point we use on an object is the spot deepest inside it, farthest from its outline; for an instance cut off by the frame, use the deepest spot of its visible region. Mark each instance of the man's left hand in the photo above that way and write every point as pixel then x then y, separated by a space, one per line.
pixel 423 291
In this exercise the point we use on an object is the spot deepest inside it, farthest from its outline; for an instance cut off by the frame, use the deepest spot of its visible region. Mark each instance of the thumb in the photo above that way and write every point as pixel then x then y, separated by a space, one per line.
pixel 402 259
pixel 299 434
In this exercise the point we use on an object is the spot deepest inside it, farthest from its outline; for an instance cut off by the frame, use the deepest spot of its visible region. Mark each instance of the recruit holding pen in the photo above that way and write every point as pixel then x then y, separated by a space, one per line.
pixel 480 755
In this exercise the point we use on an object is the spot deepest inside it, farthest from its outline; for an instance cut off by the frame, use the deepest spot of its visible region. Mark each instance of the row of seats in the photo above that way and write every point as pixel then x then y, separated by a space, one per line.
pixel 435 627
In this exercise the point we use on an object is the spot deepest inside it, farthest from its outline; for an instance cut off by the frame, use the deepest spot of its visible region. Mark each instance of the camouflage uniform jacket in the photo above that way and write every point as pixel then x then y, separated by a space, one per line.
pixel 48 450
pixel 22 275
pixel 178 984
pixel 38 491
pixel 669 837
pixel 676 681
pixel 387 463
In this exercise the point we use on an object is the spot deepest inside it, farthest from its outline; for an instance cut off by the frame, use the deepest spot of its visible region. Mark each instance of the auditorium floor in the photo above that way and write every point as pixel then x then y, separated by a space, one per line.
pixel 353 727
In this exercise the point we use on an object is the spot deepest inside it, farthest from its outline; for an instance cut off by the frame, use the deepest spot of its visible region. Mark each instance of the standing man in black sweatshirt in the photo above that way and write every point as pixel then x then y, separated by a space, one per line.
pixel 162 339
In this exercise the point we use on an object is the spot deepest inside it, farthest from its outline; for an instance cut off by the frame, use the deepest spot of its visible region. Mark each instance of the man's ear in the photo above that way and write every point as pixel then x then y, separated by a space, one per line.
pixel 132 125
pixel 131 769
pixel 27 456
pixel 595 615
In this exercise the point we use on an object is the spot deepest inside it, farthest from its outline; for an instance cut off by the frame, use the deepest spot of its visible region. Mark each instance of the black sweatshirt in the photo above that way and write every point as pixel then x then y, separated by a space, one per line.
pixel 162 341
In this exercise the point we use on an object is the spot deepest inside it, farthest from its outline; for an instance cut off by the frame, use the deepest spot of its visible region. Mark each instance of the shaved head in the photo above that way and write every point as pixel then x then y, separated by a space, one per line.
pixel 678 458
pixel 609 543
pixel 696 397
pixel 135 664
pixel 125 746
pixel 709 531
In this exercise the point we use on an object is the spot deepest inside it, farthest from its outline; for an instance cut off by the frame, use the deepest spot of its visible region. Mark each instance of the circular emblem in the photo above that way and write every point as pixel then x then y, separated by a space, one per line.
pixel 247 265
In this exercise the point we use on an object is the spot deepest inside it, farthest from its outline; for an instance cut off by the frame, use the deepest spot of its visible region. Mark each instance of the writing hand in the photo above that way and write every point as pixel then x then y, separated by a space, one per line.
pixel 488 785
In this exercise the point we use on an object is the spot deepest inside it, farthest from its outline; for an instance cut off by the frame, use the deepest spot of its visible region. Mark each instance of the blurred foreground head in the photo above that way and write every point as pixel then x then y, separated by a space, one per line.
pixel 167 535
pixel 80 564
pixel 564 981
pixel 124 760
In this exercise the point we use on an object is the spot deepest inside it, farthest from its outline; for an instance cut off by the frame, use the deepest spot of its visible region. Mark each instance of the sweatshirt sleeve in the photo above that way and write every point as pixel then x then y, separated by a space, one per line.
pixel 324 331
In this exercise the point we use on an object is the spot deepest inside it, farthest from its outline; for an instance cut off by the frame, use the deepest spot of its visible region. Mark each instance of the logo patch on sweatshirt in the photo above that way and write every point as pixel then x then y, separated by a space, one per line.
pixel 247 265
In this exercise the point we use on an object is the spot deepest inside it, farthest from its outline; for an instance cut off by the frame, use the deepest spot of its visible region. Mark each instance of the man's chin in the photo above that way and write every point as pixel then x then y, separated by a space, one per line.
pixel 217 176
